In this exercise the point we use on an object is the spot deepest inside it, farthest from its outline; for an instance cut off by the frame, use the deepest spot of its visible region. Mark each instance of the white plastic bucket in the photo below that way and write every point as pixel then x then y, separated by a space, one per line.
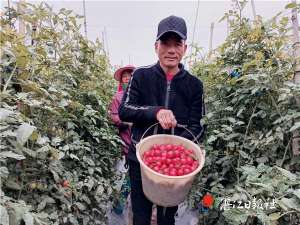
pixel 161 189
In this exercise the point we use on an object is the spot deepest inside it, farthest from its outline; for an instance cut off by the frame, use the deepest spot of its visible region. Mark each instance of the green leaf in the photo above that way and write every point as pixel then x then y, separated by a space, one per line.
pixel 286 173
pixel 46 200
pixel 73 220
pixel 4 216
pixel 235 216
pixel 291 203
pixel 10 154
pixel 80 206
pixel 274 216
pixel 295 127
pixel 3 172
pixel 11 184
pixel 244 154
pixel 297 193
pixel 72 156
pixel 4 113
pixel 231 120
pixel 29 152
pixel 291 5
pixel 212 138
pixel 24 132
pixel 28 218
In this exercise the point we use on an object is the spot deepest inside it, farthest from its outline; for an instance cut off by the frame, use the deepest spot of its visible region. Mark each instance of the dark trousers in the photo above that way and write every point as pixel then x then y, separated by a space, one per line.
pixel 141 206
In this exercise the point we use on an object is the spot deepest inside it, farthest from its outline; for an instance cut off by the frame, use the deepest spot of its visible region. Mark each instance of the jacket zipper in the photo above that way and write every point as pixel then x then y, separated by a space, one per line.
pixel 167 94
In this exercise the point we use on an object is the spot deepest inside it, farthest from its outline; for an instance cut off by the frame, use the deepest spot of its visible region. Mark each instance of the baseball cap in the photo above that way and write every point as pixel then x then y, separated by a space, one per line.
pixel 172 24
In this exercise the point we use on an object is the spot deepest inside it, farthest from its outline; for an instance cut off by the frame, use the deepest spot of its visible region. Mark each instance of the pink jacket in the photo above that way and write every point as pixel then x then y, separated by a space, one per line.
pixel 124 129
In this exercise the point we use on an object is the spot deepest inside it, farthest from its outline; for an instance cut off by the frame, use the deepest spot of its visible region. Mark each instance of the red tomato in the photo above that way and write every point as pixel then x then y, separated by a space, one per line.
pixel 186 170
pixel 177 165
pixel 65 183
pixel 207 200
pixel 176 153
pixel 151 153
pixel 162 147
pixel 159 163
pixel 170 154
pixel 171 165
pixel 176 160
pixel 157 152
pixel 146 154
pixel 169 147
pixel 155 146
pixel 189 151
pixel 189 161
pixel 150 159
pixel 164 166
pixel 180 148
pixel 163 159
pixel 173 172
pixel 164 154
pixel 156 168
pixel 183 161
pixel 195 164
pixel 180 172
pixel 168 161
pixel 166 171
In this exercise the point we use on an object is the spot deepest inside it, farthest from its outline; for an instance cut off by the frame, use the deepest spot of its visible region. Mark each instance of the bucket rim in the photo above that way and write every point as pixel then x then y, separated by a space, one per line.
pixel 201 164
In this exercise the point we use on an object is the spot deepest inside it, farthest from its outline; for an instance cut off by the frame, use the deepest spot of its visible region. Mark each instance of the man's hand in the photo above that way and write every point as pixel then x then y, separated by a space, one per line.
pixel 166 118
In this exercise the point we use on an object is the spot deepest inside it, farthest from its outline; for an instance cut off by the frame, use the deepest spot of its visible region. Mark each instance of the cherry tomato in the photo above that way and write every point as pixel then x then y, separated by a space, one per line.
pixel 166 171
pixel 162 147
pixel 146 154
pixel 170 154
pixel 180 172
pixel 157 152
pixel 65 183
pixel 180 148
pixel 156 168
pixel 189 161
pixel 169 147
pixel 183 161
pixel 173 172
pixel 163 160
pixel 170 159
pixel 176 153
pixel 164 154
pixel 186 170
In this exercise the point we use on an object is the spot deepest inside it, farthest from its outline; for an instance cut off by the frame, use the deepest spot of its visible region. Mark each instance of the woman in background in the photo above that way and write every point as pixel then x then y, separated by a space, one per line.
pixel 122 203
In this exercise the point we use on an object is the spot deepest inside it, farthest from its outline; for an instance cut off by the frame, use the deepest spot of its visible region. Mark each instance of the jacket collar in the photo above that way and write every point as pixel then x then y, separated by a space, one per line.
pixel 181 72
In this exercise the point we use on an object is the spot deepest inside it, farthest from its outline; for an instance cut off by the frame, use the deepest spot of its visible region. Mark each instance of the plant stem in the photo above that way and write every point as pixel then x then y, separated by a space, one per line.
pixel 286 148
pixel 247 129
pixel 11 75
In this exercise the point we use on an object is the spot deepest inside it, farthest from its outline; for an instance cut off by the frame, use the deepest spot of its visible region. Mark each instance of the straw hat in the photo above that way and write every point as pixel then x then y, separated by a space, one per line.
pixel 120 71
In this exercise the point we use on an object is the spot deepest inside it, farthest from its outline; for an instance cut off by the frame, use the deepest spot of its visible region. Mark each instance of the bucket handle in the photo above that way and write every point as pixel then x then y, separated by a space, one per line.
pixel 172 131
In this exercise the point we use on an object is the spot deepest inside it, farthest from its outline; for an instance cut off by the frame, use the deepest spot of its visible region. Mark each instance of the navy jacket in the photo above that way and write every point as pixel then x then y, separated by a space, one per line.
pixel 148 91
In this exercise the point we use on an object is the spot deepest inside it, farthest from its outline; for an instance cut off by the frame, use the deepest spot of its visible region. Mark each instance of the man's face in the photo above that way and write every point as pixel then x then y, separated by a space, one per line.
pixel 170 50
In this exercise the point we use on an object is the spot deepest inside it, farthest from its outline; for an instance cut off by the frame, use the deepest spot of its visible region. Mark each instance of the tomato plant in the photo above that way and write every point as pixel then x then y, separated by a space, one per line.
pixel 250 101
pixel 55 89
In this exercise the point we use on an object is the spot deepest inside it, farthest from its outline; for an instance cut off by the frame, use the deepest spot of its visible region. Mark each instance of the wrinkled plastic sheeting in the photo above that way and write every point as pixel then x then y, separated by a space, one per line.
pixel 186 216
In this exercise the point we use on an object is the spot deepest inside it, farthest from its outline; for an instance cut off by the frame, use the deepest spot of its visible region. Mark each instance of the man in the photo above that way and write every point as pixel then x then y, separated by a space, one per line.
pixel 164 93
